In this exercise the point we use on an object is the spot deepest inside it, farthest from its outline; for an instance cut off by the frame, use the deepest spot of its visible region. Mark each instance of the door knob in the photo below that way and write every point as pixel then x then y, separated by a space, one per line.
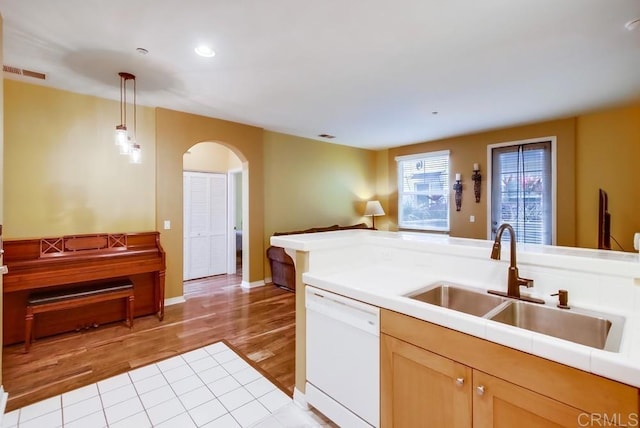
pixel 460 381
pixel 480 389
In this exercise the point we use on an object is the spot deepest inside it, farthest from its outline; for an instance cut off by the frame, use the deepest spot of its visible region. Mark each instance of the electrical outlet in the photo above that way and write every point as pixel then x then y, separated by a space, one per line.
pixel 167 224
pixel 472 219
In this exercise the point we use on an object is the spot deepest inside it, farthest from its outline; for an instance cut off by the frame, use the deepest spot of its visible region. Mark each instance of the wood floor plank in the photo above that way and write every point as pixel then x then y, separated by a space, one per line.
pixel 259 322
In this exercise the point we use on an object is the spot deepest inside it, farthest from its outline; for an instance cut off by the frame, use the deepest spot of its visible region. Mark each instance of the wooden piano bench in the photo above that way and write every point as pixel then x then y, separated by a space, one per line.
pixel 76 297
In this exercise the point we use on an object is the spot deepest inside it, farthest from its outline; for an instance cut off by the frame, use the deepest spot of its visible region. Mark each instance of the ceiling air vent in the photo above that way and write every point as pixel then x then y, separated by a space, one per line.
pixel 23 72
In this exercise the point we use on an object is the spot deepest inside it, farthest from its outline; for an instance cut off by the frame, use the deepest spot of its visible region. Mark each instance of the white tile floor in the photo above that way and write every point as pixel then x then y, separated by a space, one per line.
pixel 209 387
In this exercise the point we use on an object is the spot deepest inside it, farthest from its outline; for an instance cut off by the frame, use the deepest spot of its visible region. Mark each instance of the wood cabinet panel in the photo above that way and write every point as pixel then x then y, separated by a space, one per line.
pixel 505 405
pixel 422 389
pixel 576 388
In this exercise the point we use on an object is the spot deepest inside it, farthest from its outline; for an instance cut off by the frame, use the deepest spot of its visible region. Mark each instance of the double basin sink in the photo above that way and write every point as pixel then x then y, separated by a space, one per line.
pixel 598 330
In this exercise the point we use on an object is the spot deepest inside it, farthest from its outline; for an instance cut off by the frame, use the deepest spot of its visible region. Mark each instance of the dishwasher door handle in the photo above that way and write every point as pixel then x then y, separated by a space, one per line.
pixel 354 313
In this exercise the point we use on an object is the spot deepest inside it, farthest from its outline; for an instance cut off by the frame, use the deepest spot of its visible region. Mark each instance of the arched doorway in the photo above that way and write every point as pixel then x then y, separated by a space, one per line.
pixel 176 132
pixel 214 211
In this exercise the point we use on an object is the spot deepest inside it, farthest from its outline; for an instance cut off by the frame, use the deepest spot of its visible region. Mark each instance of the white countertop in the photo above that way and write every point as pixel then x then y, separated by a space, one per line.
pixel 614 262
pixel 385 285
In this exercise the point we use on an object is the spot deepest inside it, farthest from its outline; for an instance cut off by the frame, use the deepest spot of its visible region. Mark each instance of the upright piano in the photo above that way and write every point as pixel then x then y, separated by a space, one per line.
pixel 52 264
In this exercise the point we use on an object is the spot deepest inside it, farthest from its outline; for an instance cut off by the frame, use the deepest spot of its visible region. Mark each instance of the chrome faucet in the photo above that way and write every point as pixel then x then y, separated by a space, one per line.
pixel 514 282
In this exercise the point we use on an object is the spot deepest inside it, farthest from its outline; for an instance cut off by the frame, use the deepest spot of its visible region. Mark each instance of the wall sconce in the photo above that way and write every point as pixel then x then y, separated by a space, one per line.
pixel 458 188
pixel 373 209
pixel 477 179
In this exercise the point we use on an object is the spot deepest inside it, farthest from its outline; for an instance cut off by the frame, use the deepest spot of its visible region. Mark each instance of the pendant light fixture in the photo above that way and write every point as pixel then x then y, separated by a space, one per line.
pixel 126 142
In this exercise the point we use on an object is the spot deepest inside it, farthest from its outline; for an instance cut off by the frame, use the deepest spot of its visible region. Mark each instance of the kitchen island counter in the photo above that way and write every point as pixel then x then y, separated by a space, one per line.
pixel 381 268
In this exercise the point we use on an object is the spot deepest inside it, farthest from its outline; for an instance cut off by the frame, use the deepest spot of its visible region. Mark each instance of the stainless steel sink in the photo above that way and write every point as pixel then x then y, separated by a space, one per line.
pixel 602 331
pixel 458 298
pixel 590 328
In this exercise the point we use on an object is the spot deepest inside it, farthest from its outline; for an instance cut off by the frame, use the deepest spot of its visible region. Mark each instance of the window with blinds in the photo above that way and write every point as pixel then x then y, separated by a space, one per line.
pixel 521 195
pixel 423 191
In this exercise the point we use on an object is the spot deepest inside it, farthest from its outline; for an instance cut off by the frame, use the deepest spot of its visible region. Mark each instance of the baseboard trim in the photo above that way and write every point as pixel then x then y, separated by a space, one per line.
pixel 255 284
pixel 300 399
pixel 174 300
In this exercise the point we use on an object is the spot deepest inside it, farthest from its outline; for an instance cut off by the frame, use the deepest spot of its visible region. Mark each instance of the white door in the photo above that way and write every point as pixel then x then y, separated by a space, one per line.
pixel 205 222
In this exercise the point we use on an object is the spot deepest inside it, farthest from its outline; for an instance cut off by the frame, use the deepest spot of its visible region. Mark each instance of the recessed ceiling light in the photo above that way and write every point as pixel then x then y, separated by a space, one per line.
pixel 205 51
pixel 142 51
pixel 329 136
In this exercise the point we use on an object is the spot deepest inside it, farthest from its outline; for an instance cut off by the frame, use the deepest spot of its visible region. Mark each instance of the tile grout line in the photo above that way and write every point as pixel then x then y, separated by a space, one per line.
pixel 176 394
pixel 242 386
pixel 228 374
pixel 61 412
pixel 104 413
pixel 144 408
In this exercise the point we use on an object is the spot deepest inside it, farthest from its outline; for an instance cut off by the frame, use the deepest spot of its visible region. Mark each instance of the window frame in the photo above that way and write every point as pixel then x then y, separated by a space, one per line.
pixel 446 193
pixel 554 179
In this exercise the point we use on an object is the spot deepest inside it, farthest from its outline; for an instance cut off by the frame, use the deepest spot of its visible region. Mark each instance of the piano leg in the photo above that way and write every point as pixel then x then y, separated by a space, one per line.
pixel 130 312
pixel 160 293
pixel 28 329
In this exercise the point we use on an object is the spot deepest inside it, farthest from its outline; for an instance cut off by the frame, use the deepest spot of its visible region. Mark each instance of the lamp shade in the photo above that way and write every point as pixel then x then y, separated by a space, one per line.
pixel 373 208
pixel 135 155
pixel 125 148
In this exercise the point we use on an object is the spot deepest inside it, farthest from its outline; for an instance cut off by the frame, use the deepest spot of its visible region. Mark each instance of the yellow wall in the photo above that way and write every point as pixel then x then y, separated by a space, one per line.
pixel 210 157
pixel 310 183
pixel 469 149
pixel 63 172
pixel 176 132
pixel 64 175
pixel 383 190
pixel 608 157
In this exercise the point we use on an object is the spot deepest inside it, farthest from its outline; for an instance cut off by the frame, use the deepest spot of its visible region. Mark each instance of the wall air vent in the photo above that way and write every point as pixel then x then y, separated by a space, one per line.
pixel 23 72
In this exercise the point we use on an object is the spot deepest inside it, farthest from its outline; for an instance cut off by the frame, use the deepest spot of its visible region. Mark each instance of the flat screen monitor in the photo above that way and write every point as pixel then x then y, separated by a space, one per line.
pixel 604 222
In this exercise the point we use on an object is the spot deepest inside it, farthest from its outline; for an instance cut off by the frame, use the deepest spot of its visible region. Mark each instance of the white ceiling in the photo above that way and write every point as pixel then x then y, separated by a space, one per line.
pixel 370 72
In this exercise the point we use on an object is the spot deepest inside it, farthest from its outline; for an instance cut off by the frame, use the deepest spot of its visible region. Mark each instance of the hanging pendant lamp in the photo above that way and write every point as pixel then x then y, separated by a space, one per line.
pixel 127 143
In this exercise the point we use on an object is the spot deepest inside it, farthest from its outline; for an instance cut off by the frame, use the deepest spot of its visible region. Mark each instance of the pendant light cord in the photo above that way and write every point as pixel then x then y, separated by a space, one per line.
pixel 135 122
pixel 124 105
pixel 121 100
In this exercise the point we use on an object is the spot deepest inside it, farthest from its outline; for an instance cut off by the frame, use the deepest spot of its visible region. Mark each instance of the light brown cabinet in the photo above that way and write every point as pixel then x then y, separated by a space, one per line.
pixel 432 376
pixel 422 389
pixel 501 404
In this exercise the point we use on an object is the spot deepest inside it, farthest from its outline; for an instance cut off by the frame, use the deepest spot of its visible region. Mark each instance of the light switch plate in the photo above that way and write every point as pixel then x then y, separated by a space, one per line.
pixel 472 219
pixel 167 224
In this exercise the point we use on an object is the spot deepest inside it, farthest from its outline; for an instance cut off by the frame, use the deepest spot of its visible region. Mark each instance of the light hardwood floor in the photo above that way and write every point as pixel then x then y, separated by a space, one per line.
pixel 260 323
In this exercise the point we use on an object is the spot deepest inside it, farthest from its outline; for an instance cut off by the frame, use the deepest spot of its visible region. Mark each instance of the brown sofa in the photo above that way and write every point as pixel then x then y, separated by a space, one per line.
pixel 283 271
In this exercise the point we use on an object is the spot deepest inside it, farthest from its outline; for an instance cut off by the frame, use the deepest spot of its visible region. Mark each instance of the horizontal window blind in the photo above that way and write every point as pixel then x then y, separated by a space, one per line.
pixel 423 195
pixel 521 191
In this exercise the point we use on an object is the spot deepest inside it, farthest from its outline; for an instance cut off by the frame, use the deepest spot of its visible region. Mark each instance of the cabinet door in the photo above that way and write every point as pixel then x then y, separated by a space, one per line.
pixel 500 404
pixel 422 389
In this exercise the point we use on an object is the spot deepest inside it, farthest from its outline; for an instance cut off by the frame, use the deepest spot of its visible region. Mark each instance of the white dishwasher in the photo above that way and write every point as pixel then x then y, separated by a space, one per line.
pixel 343 358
